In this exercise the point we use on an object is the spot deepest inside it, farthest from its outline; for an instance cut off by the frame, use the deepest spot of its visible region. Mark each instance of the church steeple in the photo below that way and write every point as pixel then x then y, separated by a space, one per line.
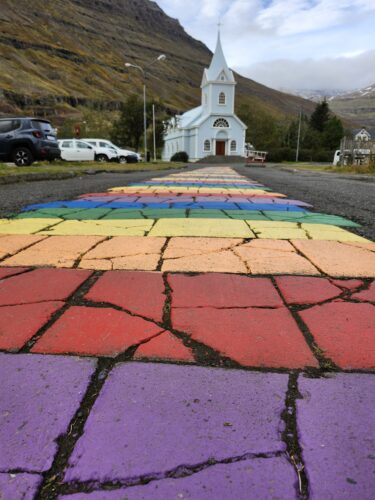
pixel 219 67
pixel 218 84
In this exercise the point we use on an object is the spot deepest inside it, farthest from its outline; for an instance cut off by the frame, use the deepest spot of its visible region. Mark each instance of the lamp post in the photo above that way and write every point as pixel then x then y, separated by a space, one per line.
pixel 162 57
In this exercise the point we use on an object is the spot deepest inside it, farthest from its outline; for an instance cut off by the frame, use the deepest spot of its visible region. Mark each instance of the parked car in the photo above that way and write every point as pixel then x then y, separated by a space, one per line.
pixel 25 140
pixel 123 155
pixel 76 150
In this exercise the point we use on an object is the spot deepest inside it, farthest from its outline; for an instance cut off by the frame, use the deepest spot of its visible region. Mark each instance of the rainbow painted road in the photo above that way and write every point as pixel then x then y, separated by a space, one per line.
pixel 192 336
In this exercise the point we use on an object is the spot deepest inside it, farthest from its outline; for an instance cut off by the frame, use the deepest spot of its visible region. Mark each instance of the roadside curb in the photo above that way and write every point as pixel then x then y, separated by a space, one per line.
pixel 14 179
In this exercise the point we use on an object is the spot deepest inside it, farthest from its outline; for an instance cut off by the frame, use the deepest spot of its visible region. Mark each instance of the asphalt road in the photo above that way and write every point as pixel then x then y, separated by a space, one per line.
pixel 350 196
pixel 13 197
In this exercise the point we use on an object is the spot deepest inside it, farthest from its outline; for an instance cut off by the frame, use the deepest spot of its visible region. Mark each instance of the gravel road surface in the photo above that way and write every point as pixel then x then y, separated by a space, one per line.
pixel 350 196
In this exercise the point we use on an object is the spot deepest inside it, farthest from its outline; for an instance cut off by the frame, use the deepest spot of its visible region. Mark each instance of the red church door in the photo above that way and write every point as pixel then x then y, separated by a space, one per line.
pixel 220 148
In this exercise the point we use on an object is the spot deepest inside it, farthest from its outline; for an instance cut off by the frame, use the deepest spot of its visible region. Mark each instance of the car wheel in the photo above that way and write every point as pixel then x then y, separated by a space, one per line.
pixel 122 159
pixel 22 157
pixel 101 158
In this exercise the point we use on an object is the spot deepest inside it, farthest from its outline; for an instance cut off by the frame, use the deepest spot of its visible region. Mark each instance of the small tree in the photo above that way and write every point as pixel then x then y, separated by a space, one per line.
pixel 320 116
pixel 333 133
pixel 127 131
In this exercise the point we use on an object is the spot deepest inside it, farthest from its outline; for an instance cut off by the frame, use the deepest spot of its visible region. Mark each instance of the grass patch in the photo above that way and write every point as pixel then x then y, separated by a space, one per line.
pixel 353 169
pixel 60 167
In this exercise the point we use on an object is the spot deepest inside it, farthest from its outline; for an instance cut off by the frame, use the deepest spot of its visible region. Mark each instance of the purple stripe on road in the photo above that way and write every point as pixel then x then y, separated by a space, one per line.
pixel 39 395
pixel 337 433
pixel 18 486
pixel 260 478
pixel 152 418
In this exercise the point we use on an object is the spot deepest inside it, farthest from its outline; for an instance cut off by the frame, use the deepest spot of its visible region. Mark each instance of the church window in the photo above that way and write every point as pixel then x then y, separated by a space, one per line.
pixel 221 123
pixel 207 145
pixel 233 146
pixel 222 98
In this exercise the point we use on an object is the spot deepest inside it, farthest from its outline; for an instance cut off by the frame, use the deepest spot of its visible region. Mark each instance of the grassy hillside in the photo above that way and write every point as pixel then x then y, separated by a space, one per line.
pixel 64 59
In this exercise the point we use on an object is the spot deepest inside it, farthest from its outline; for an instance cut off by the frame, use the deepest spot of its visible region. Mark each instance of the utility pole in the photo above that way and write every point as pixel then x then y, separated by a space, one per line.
pixel 162 57
pixel 299 135
pixel 153 129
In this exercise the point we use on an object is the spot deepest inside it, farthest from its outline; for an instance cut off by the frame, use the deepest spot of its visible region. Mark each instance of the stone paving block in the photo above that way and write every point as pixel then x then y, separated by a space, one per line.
pixel 246 215
pixel 138 292
pixel 345 332
pixel 366 295
pixel 213 228
pixel 91 331
pixel 277 230
pixel 259 478
pixel 11 271
pixel 348 284
pixel 311 218
pixel 51 388
pixel 57 251
pixel 106 227
pixel 306 290
pixel 19 486
pixel 165 347
pixel 222 290
pixel 202 255
pixel 338 259
pixel 124 252
pixel 170 213
pixel 19 323
pixel 207 214
pixel 251 337
pixel 333 233
pixel 198 414
pixel 336 427
pixel 25 226
pixel 122 214
pixel 10 245
pixel 273 257
pixel 41 285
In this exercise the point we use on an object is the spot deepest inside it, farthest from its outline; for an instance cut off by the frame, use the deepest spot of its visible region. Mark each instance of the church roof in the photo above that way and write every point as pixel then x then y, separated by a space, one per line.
pixel 190 116
pixel 219 65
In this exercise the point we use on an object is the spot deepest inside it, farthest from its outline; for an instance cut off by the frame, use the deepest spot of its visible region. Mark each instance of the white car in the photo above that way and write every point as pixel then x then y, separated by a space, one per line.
pixel 121 153
pixel 102 152
pixel 76 150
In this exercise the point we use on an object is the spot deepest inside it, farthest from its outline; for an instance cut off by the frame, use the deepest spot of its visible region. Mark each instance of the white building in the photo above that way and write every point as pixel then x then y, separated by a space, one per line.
pixel 212 128
pixel 362 135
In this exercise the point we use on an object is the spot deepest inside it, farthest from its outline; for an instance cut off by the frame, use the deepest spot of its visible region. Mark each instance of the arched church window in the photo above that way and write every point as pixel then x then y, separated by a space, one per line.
pixel 221 123
pixel 233 146
pixel 207 145
pixel 222 98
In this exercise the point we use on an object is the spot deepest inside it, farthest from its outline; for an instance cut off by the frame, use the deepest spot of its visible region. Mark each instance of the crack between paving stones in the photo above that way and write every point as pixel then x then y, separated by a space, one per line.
pixel 179 472
pixel 291 438
pixel 225 249
pixel 161 258
pixel 301 254
pixel 52 479
pixel 82 255
pixel 47 228
pixel 78 293
pixel 26 271
pixel 44 237
pixel 325 363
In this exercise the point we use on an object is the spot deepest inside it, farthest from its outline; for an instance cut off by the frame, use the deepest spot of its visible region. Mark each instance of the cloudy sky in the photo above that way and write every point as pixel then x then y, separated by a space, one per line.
pixel 288 44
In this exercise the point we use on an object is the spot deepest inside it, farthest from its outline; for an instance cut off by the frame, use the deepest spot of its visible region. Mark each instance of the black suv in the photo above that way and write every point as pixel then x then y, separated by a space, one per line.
pixel 24 140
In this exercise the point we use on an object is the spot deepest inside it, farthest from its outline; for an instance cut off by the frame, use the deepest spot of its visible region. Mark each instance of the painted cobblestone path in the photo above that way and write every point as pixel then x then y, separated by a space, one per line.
pixel 196 336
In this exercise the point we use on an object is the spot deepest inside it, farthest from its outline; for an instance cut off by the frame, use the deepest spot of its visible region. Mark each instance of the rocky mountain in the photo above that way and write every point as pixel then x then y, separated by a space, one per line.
pixel 61 58
pixel 357 106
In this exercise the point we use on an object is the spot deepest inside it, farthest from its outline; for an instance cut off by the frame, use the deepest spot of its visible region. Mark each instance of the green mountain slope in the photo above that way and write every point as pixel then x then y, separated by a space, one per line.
pixel 60 57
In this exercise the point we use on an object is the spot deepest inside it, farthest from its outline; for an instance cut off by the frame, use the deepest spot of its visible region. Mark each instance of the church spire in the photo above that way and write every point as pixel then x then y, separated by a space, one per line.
pixel 219 64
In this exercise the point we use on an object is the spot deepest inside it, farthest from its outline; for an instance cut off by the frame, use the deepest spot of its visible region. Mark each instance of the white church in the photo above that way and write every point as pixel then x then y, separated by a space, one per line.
pixel 212 128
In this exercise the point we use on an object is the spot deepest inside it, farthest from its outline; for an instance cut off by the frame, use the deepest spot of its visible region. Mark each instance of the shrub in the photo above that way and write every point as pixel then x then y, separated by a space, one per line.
pixel 181 156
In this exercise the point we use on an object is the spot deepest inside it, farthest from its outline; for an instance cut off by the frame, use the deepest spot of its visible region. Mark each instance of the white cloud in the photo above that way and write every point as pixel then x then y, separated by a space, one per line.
pixel 259 33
